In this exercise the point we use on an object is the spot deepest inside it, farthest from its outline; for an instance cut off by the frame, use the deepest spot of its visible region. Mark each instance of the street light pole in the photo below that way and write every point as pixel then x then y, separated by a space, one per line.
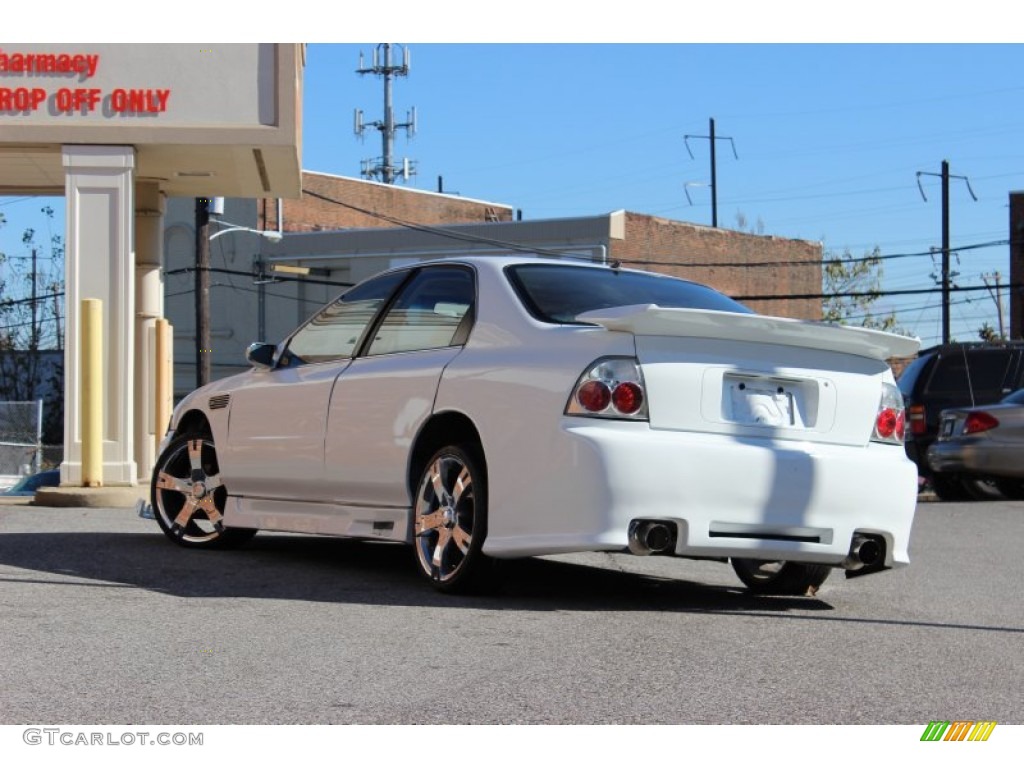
pixel 204 344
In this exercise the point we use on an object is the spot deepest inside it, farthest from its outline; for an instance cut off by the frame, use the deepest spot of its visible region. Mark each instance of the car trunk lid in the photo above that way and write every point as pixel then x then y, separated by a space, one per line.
pixel 753 376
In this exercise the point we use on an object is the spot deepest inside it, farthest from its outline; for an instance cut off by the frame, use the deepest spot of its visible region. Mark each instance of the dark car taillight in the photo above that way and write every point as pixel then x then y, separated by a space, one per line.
pixel 916 417
pixel 979 421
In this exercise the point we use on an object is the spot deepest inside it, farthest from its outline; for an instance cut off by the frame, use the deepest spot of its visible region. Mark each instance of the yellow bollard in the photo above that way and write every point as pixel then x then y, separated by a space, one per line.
pixel 162 376
pixel 92 392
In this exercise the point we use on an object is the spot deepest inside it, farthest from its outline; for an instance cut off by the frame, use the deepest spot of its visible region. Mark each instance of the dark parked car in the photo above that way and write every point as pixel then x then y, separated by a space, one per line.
pixel 29 484
pixel 983 444
pixel 956 376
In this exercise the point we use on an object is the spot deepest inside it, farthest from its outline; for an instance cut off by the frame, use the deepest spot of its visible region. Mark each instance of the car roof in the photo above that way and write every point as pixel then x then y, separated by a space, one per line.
pixel 956 347
pixel 499 261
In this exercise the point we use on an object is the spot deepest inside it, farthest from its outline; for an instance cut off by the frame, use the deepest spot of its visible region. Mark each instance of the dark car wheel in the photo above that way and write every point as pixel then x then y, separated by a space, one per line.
pixel 981 489
pixel 780 577
pixel 450 522
pixel 188 496
pixel 1010 488
pixel 948 487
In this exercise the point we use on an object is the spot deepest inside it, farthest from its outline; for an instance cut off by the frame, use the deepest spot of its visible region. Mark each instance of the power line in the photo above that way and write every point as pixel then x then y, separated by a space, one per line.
pixel 872 294
pixel 440 232
pixel 279 278
pixel 13 302
pixel 520 248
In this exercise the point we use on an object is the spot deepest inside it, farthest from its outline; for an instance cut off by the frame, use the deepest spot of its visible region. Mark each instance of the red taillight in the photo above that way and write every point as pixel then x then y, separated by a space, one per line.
pixel 890 424
pixel 594 396
pixel 890 421
pixel 979 421
pixel 887 422
pixel 918 426
pixel 610 388
pixel 628 397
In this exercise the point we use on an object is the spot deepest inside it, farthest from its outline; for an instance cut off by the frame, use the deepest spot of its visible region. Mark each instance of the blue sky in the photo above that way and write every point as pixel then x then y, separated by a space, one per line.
pixel 829 137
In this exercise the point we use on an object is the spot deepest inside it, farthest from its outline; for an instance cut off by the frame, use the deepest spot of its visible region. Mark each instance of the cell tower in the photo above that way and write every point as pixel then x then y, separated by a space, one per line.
pixel 382 167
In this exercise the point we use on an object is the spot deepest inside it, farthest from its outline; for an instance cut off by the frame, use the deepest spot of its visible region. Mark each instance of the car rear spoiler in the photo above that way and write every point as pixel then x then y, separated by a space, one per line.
pixel 652 320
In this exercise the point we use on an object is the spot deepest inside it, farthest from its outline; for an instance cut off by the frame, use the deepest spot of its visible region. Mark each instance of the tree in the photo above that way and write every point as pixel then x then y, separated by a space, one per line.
pixel 32 326
pixel 990 334
pixel 743 225
pixel 851 286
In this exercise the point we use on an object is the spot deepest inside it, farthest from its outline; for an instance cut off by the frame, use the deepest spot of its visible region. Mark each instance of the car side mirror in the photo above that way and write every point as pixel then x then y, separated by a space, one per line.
pixel 260 355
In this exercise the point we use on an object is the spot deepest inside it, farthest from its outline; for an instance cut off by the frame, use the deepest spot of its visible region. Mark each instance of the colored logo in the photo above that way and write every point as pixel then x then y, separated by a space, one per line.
pixel 958 730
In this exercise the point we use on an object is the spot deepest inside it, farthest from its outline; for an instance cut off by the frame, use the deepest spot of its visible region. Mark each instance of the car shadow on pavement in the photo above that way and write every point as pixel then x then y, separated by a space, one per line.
pixel 331 570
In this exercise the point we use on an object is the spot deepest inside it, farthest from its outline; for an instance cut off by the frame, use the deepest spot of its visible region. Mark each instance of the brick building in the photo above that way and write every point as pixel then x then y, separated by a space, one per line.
pixel 314 211
pixel 739 264
pixel 343 230
pixel 725 259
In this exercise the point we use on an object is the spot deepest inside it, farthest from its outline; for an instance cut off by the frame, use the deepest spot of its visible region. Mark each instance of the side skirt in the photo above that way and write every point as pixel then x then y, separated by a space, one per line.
pixel 388 523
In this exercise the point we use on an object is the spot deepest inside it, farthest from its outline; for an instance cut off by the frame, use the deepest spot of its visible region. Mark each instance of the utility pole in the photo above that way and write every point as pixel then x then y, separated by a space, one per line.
pixel 34 333
pixel 714 165
pixel 202 291
pixel 997 298
pixel 383 167
pixel 1016 279
pixel 945 176
pixel 56 320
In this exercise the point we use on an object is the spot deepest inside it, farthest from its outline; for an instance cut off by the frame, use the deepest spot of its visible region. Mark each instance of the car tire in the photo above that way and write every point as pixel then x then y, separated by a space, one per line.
pixel 780 577
pixel 188 496
pixel 948 486
pixel 1011 488
pixel 450 522
pixel 981 489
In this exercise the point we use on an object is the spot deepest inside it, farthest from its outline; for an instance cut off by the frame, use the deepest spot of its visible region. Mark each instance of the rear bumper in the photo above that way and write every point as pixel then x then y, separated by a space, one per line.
pixel 727 496
pixel 979 457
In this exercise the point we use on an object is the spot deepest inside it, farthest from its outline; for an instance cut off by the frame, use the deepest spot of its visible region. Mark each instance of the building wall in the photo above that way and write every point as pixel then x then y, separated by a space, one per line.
pixel 727 260
pixel 358 245
pixel 1016 265
pixel 240 305
pixel 354 196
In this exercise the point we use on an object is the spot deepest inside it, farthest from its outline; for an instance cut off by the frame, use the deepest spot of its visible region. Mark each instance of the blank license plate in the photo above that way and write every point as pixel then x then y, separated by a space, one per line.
pixel 755 402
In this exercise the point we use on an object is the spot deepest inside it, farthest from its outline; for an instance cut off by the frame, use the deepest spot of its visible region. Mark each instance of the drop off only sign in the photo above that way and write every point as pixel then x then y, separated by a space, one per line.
pixel 30 97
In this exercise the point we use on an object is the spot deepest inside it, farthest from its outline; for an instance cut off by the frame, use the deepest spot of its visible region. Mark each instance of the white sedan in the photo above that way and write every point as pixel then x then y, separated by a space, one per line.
pixel 500 407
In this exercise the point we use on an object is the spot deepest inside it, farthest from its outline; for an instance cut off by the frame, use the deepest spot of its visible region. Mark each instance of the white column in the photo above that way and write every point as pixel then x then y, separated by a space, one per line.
pixel 100 264
pixel 149 305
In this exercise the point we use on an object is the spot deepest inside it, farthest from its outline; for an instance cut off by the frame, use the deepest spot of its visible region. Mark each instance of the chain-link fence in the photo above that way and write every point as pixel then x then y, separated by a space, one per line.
pixel 21 437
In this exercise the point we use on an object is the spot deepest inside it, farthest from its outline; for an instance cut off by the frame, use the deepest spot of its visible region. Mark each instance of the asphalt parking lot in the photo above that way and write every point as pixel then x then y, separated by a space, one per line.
pixel 105 621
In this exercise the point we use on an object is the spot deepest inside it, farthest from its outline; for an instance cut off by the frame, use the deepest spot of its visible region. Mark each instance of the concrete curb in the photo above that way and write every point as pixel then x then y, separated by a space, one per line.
pixel 114 496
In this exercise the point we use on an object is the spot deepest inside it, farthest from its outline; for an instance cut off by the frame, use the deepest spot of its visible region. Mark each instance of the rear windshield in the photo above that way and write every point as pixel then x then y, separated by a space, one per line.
pixel 557 293
pixel 981 371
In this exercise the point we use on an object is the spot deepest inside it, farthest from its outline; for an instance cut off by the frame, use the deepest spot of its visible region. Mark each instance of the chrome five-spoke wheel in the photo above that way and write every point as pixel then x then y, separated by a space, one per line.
pixel 188 496
pixel 450 521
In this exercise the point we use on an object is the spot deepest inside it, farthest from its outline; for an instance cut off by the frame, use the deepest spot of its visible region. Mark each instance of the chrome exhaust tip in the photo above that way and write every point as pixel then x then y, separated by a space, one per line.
pixel 651 537
pixel 865 552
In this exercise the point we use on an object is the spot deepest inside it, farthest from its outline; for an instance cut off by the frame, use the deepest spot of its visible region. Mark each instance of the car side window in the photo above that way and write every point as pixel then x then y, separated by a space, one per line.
pixel 334 332
pixel 429 313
